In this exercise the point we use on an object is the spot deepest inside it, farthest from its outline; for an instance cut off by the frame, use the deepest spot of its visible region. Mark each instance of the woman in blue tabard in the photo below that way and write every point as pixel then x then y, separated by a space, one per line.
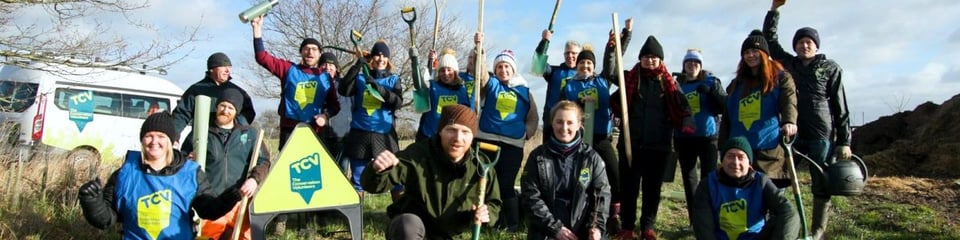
pixel 508 118
pixel 737 202
pixel 706 97
pixel 153 191
pixel 762 106
pixel 371 130
pixel 586 87
pixel 447 88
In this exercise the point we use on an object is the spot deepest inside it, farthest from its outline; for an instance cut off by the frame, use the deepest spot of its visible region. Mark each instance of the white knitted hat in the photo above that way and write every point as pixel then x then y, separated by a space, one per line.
pixel 507 56
pixel 448 59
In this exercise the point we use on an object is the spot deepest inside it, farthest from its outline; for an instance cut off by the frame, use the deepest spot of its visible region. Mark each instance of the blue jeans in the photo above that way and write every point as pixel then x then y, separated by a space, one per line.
pixel 819 152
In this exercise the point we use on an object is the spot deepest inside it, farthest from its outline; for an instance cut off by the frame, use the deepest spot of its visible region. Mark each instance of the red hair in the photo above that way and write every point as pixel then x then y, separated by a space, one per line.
pixel 766 77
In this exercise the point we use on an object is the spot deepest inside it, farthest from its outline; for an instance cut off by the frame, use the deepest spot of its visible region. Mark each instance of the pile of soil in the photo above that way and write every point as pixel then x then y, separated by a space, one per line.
pixel 918 143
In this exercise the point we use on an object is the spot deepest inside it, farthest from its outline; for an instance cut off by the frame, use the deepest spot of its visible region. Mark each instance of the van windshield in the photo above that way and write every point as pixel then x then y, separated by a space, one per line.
pixel 17 96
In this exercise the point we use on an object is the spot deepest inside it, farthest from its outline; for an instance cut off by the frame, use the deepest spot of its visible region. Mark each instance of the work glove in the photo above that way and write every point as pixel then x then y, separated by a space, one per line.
pixel 843 152
pixel 704 89
pixel 91 190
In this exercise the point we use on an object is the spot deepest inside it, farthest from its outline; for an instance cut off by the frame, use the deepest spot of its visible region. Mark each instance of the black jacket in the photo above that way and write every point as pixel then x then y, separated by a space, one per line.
pixel 821 100
pixel 102 212
pixel 591 196
pixel 183 114
pixel 228 156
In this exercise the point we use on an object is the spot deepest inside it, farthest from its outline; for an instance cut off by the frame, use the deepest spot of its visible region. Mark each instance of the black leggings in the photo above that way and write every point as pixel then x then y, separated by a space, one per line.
pixel 605 149
pixel 647 169
pixel 689 150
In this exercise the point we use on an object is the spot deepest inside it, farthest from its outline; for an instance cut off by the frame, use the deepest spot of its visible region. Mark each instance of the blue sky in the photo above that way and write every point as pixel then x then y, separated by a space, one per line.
pixel 889 50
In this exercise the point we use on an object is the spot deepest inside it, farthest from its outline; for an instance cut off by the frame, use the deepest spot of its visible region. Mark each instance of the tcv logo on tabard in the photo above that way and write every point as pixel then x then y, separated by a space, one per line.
pixel 153 211
pixel 305 176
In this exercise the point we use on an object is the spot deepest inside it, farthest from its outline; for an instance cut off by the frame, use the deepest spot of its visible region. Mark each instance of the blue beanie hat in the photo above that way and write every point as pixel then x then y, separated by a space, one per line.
pixel 738 143
pixel 693 54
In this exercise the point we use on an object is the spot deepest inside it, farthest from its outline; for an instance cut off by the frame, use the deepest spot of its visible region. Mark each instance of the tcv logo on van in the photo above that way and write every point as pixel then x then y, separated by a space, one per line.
pixel 81 108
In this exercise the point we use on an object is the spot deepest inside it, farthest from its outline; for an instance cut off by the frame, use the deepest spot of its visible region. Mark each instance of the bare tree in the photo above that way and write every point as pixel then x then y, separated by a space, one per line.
pixel 331 21
pixel 65 42
pixel 898 102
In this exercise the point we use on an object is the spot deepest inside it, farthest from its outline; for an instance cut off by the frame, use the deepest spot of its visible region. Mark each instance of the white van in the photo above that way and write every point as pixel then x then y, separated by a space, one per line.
pixel 91 113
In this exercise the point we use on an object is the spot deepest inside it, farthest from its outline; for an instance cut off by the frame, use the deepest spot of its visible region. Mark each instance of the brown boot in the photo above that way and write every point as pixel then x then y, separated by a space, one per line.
pixel 396 195
pixel 613 222
pixel 821 214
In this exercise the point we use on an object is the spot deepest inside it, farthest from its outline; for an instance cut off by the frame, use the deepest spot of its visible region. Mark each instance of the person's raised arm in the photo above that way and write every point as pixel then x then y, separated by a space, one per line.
pixel 770 23
pixel 609 70
pixel 276 66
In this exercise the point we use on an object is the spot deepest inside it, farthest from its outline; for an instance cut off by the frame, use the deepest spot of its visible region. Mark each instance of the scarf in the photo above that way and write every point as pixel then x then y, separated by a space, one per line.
pixel 671 94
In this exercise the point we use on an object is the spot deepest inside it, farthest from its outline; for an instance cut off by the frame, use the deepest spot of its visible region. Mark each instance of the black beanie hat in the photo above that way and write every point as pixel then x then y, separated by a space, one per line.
pixel 160 122
pixel 232 96
pixel 328 57
pixel 218 60
pixel 458 114
pixel 307 41
pixel 755 40
pixel 587 54
pixel 806 32
pixel 738 143
pixel 651 47
pixel 380 48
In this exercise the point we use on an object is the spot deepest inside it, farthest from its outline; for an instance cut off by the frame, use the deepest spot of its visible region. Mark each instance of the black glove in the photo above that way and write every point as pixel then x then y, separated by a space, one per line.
pixel 91 190
pixel 704 89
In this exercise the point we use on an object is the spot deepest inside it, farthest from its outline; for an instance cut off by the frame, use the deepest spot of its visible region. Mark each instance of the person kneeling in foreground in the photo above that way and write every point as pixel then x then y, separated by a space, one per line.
pixel 441 177
pixel 152 193
pixel 738 202
pixel 564 184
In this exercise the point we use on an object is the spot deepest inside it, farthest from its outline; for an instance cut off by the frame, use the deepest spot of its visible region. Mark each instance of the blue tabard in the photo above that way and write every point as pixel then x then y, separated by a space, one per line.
pixel 468 83
pixel 597 87
pixel 369 114
pixel 441 96
pixel 505 110
pixel 304 94
pixel 153 206
pixel 555 84
pixel 755 116
pixel 738 211
pixel 702 107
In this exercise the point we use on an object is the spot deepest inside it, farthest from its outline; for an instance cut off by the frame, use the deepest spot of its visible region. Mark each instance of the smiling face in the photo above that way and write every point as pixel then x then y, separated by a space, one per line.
pixel 329 68
pixel 310 55
pixel 379 62
pixel 806 48
pixel 447 75
pixel 692 68
pixel 735 163
pixel 566 123
pixel 650 62
pixel 570 54
pixel 220 74
pixel 585 67
pixel 455 140
pixel 226 113
pixel 155 145
pixel 504 71
pixel 752 57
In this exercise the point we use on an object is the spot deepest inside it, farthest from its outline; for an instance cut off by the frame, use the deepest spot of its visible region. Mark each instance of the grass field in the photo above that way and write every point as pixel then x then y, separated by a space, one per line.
pixel 47 210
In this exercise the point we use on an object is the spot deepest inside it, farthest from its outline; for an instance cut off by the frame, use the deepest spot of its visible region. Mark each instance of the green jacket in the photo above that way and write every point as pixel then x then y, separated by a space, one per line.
pixel 437 190
pixel 228 155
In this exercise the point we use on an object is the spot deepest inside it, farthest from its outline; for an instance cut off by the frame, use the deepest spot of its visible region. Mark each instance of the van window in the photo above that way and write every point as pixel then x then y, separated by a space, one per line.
pixel 115 104
pixel 17 96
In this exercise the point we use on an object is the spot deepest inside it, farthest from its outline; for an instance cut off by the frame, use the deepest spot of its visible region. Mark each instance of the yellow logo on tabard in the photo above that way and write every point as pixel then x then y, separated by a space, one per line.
pixel 469 86
pixel 694 99
pixel 304 177
pixel 733 218
pixel 153 211
pixel 370 103
pixel 305 93
pixel 750 109
pixel 446 100
pixel 506 103
pixel 563 83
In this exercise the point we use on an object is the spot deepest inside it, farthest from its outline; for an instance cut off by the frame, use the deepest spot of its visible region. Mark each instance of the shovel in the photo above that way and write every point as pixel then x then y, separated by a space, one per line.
pixel 484 170
pixel 787 143
pixel 421 95
pixel 356 37
pixel 246 200
pixel 540 59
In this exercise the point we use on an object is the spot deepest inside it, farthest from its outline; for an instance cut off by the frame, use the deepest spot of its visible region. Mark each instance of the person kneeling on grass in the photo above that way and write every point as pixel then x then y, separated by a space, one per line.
pixel 152 192
pixel 738 202
pixel 441 177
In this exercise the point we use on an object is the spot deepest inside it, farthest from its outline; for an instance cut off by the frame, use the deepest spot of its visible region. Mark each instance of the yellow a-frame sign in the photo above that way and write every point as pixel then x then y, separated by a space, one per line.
pixel 304 179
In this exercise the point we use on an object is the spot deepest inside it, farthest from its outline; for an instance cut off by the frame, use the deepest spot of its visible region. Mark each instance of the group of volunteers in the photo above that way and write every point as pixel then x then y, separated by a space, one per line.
pixel 578 184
